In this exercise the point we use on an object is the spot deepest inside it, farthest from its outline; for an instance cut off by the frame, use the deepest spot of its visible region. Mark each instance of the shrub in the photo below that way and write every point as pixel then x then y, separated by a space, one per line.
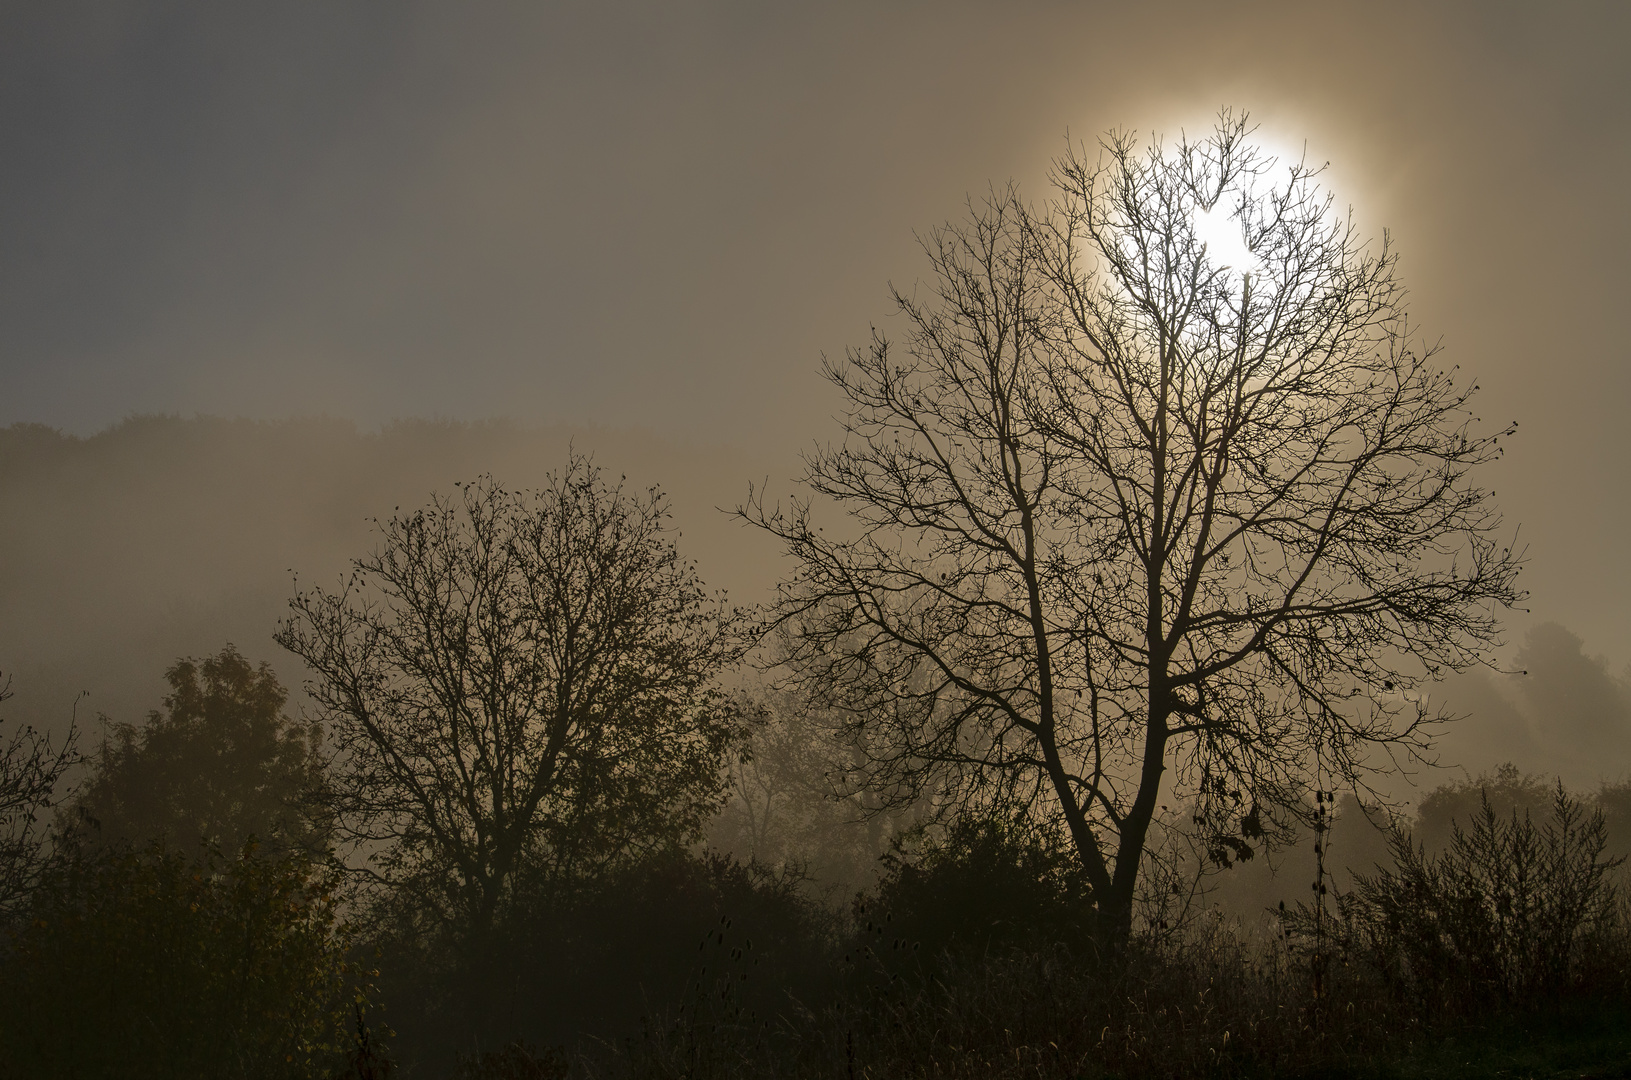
pixel 990 882
pixel 1508 912
pixel 647 946
pixel 146 963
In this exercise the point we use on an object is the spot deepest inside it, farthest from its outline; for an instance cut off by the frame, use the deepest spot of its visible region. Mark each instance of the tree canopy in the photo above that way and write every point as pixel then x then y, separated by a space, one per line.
pixel 219 765
pixel 519 684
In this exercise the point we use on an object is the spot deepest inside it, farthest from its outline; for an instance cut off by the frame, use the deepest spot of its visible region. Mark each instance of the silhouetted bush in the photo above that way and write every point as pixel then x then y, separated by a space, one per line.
pixel 1509 912
pixel 989 882
pixel 643 948
pixel 149 964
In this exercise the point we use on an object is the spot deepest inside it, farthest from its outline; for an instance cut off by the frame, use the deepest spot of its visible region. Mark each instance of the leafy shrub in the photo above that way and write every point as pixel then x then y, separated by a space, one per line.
pixel 991 881
pixel 149 964
pixel 653 943
pixel 1508 912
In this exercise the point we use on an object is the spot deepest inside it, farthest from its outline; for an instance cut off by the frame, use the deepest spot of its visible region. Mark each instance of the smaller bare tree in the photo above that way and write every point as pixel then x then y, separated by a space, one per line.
pixel 520 683
pixel 32 770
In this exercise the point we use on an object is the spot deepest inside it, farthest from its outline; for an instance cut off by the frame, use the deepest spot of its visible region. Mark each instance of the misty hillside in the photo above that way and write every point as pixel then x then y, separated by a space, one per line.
pixel 164 537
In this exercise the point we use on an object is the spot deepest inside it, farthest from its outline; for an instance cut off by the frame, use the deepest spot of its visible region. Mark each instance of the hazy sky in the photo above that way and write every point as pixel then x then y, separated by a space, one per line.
pixel 659 216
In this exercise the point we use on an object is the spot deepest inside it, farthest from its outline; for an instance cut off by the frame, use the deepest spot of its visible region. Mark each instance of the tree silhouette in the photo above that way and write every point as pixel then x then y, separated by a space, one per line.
pixel 1131 526
pixel 519 683
pixel 220 765
pixel 32 771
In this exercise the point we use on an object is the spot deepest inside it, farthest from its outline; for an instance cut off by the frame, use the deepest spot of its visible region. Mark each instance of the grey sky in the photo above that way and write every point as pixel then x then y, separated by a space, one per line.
pixel 658 216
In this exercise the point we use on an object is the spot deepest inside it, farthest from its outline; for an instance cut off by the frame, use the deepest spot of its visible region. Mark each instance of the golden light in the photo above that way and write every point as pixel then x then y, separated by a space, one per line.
pixel 1222 232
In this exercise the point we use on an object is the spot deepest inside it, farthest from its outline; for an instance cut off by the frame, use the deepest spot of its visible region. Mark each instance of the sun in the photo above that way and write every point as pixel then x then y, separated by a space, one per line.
pixel 1275 173
pixel 1223 234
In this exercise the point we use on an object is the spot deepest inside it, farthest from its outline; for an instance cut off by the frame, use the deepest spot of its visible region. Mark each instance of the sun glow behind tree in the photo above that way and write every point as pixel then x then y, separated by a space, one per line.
pixel 1220 231
pixel 1141 525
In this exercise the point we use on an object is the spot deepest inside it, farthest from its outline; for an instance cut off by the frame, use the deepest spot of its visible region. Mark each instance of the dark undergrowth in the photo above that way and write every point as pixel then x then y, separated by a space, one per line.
pixel 1201 1011
pixel 1506 955
pixel 1192 1012
pixel 1578 1040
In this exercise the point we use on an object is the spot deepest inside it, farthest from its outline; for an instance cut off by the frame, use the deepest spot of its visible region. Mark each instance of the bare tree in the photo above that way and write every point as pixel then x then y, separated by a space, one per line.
pixel 791 806
pixel 1129 524
pixel 32 771
pixel 519 683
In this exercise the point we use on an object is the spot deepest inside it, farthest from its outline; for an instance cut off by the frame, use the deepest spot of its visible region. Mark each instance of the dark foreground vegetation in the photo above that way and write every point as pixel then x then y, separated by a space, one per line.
pixel 1506 954
pixel 1502 949
pixel 1508 948
pixel 216 892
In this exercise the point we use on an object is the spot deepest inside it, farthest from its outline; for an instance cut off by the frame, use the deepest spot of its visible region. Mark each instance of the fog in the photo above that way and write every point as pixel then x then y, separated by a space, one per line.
pixel 268 274
pixel 162 537
pixel 657 220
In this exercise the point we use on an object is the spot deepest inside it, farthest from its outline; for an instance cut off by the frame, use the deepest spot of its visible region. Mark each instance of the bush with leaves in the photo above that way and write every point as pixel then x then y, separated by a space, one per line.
pixel 988 881
pixel 648 945
pixel 1510 911
pixel 150 964
pixel 219 765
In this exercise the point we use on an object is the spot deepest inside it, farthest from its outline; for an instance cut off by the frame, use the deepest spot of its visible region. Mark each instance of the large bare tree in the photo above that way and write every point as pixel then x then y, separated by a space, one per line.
pixel 1130 522
pixel 519 682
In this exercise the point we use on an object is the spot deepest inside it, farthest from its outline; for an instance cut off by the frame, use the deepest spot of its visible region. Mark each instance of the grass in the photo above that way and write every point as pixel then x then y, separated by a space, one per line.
pixel 1590 1040
pixel 1214 1007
